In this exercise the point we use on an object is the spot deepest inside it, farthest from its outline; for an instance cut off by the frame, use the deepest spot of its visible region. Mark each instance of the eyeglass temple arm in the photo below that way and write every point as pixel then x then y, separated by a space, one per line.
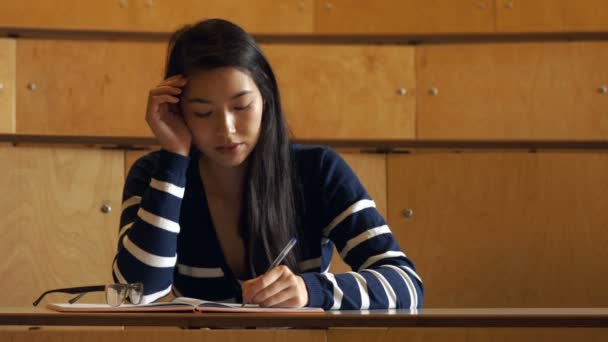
pixel 71 290
pixel 75 299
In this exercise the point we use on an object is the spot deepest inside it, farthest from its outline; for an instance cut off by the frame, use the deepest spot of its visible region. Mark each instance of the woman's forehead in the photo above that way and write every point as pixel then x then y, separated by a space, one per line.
pixel 219 83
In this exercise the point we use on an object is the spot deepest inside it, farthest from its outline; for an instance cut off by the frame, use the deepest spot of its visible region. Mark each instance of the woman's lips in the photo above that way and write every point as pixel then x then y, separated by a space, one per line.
pixel 229 148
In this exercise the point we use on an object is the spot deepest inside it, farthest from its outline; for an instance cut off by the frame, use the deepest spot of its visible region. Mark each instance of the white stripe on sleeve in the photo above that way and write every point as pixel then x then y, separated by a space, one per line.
pixel 167 187
pixel 412 272
pixel 373 259
pixel 124 230
pixel 363 291
pixel 133 200
pixel 357 206
pixel 148 258
pixel 338 294
pixel 154 296
pixel 390 293
pixel 157 221
pixel 118 274
pixel 200 272
pixel 366 235
pixel 408 282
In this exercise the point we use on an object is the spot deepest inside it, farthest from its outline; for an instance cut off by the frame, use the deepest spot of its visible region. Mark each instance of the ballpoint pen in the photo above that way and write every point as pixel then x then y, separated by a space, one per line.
pixel 281 256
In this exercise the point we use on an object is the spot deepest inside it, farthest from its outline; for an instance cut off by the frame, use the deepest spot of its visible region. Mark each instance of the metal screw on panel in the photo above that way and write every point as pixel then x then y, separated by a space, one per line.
pixel 603 89
pixel 434 91
pixel 106 207
pixel 408 213
pixel 402 91
pixel 149 3
pixel 509 4
pixel 301 6
pixel 481 5
pixel 31 86
pixel 328 5
pixel 124 3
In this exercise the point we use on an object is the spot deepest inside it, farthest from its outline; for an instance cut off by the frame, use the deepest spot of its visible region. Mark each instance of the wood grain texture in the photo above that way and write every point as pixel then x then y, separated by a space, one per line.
pixel 403 16
pixel 465 334
pixel 8 70
pixel 551 16
pixel 291 16
pixel 99 88
pixel 511 91
pixel 174 335
pixel 504 229
pixel 53 232
pixel 259 17
pixel 86 87
pixel 346 92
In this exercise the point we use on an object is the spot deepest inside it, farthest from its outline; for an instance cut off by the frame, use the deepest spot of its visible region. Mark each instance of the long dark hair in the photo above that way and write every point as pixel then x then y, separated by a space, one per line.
pixel 268 217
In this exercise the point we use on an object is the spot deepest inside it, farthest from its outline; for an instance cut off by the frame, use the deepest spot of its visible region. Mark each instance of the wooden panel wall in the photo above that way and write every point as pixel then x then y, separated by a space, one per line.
pixel 329 91
pixel 290 16
pixel 99 87
pixel 7 85
pixel 511 91
pixel 54 233
pixel 67 79
pixel 551 16
pixel 504 229
pixel 404 16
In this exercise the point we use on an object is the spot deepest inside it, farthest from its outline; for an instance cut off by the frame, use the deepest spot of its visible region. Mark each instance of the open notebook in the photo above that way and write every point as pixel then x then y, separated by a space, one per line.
pixel 179 304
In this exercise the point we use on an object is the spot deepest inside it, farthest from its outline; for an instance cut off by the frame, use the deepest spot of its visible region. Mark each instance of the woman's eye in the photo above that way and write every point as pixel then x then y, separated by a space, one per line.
pixel 202 115
pixel 242 107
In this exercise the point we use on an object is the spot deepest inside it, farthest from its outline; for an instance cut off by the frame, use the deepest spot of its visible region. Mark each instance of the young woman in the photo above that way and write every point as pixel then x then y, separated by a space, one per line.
pixel 207 214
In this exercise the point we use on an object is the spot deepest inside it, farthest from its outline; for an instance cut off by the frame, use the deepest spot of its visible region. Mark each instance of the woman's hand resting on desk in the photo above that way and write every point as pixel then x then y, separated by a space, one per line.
pixel 278 287
pixel 165 118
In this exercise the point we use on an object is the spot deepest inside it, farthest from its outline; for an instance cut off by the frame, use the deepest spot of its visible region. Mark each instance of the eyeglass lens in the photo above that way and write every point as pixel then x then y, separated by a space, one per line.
pixel 117 293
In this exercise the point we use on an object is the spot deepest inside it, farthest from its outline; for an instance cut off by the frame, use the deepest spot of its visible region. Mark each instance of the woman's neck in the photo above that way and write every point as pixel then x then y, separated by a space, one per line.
pixel 222 181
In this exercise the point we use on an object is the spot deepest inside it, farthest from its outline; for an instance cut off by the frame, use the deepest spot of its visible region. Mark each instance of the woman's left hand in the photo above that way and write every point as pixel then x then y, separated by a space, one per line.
pixel 278 287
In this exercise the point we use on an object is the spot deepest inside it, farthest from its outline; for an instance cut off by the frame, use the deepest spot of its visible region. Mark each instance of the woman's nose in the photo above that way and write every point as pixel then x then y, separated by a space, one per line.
pixel 226 125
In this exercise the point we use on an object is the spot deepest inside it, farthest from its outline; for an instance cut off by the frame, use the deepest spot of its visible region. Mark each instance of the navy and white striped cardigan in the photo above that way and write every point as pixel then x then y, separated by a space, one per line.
pixel 168 242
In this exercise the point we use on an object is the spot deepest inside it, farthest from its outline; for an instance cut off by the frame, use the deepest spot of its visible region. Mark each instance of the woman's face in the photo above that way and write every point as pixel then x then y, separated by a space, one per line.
pixel 223 109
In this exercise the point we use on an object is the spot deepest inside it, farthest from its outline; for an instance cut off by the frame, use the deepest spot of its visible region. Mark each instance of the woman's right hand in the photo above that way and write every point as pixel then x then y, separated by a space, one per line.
pixel 164 116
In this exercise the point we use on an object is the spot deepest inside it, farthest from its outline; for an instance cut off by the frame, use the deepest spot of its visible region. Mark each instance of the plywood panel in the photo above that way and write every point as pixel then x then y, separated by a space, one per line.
pixel 551 16
pixel 53 231
pixel 257 17
pixel 404 16
pixel 7 85
pixel 346 92
pixel 73 87
pixel 504 229
pixel 173 334
pixel 465 334
pixel 536 91
pixel 100 88
pixel 291 16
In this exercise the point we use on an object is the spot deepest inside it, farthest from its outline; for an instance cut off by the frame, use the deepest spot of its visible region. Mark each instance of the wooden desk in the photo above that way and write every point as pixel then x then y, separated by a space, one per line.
pixel 555 325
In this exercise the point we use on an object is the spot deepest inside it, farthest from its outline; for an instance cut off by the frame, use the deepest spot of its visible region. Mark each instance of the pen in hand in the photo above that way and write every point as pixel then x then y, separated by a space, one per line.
pixel 277 261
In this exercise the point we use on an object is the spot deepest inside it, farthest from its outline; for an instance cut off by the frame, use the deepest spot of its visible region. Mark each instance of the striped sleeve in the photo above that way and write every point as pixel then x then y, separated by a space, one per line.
pixel 149 223
pixel 383 276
